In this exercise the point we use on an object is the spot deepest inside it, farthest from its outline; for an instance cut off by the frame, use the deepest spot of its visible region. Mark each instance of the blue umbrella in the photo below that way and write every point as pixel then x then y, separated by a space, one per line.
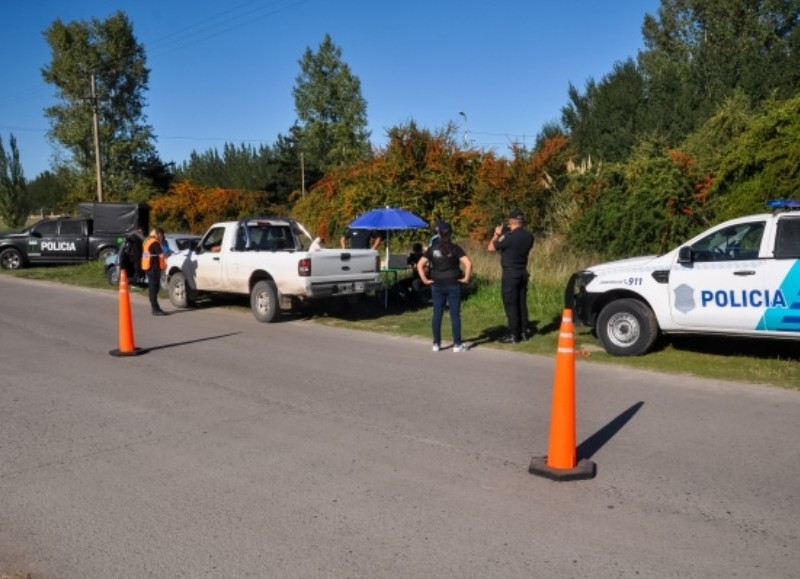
pixel 388 219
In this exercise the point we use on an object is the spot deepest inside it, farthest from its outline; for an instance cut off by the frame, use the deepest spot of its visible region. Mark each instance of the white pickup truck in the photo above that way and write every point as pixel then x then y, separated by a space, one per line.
pixel 273 260
pixel 739 278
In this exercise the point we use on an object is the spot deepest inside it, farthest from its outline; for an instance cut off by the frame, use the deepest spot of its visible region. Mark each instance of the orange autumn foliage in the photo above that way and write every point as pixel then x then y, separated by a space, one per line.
pixel 191 208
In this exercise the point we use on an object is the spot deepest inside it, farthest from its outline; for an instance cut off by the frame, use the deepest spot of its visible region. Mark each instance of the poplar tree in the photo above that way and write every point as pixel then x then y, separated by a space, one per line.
pixel 13 193
pixel 332 118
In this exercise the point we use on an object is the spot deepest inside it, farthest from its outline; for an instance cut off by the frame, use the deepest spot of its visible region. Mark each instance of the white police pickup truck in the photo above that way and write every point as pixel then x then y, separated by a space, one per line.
pixel 275 261
pixel 739 278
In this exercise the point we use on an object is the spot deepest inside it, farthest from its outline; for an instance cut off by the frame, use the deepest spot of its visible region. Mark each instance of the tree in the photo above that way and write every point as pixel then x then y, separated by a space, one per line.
pixel 332 128
pixel 98 66
pixel 762 163
pixel 606 120
pixel 48 190
pixel 275 170
pixel 698 52
pixel 13 193
pixel 419 170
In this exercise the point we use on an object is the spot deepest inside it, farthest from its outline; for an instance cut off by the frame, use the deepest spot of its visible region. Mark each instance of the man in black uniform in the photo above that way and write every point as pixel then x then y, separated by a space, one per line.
pixel 360 239
pixel 514 244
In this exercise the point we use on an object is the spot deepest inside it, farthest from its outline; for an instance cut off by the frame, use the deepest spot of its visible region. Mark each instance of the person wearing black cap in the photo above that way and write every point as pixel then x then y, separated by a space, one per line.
pixel 514 244
pixel 445 278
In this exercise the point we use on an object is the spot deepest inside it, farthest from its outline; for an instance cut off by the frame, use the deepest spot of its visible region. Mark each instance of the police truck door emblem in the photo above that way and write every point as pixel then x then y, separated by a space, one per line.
pixel 684 298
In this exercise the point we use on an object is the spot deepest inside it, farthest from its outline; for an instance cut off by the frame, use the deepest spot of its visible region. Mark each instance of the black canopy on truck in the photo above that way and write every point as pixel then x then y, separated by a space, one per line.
pixel 114 218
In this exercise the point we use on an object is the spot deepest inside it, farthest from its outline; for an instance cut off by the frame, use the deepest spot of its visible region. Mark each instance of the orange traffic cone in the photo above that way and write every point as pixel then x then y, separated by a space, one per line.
pixel 560 463
pixel 126 344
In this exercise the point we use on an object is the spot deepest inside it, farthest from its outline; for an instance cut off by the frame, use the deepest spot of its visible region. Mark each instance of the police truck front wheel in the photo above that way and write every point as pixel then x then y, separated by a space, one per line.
pixel 264 301
pixel 627 327
pixel 10 258
pixel 180 294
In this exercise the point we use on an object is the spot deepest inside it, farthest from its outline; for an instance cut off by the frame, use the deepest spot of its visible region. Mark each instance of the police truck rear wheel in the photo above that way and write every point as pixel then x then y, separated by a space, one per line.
pixel 264 301
pixel 10 258
pixel 180 294
pixel 627 327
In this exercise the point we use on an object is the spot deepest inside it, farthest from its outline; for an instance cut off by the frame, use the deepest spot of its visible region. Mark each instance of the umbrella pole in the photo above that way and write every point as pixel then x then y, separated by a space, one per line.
pixel 386 267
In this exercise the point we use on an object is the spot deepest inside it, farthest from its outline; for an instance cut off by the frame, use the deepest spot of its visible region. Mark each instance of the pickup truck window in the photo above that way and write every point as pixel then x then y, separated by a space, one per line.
pixel 213 239
pixel 787 242
pixel 271 237
pixel 741 241
pixel 46 228
pixel 71 227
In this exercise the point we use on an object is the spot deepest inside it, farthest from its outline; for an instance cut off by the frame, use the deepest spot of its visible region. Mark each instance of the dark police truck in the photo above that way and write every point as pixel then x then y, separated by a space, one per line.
pixel 95 234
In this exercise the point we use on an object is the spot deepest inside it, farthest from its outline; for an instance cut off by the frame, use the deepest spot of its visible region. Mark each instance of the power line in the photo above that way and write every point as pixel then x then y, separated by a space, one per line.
pixel 199 32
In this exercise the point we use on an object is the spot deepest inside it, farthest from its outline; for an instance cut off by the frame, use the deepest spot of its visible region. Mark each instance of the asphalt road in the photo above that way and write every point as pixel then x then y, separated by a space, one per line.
pixel 237 449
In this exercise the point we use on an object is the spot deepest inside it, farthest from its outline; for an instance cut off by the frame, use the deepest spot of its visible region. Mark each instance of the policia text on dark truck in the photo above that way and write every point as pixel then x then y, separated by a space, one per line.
pixel 95 234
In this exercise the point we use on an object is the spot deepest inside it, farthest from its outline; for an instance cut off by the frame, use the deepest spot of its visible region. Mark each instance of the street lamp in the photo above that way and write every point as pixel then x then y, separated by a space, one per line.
pixel 466 130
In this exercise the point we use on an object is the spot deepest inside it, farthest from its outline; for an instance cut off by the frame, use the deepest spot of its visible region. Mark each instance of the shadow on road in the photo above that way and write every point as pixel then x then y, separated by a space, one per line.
pixel 596 441
pixel 176 344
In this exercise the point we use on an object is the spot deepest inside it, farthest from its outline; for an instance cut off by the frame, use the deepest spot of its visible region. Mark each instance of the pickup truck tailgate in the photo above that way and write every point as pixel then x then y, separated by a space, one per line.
pixel 344 264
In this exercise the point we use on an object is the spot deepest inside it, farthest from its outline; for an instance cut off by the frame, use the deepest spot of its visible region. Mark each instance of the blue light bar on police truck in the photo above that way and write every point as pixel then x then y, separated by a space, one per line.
pixel 788 204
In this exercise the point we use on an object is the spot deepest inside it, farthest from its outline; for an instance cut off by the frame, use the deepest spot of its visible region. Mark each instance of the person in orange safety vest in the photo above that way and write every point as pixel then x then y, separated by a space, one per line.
pixel 153 263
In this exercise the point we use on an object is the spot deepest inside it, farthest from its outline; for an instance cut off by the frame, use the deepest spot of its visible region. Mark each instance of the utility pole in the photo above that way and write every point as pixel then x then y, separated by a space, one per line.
pixel 96 130
pixel 302 174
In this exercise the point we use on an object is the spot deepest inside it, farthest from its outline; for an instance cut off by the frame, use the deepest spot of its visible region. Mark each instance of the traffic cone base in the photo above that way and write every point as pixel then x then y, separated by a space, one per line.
pixel 585 469
pixel 134 352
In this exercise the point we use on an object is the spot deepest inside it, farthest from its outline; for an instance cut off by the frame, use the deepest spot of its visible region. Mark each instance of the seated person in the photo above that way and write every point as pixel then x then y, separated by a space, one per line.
pixel 411 287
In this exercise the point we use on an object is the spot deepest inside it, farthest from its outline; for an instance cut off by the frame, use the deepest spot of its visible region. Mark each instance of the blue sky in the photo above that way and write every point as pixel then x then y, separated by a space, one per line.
pixel 223 71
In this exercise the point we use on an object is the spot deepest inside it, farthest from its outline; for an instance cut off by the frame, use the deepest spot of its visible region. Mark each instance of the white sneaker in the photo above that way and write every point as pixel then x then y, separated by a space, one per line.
pixel 460 348
pixel 435 347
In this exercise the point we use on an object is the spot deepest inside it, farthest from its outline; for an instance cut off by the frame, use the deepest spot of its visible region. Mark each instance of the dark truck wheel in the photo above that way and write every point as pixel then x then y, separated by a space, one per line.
pixel 10 258
pixel 627 327
pixel 264 301
pixel 180 294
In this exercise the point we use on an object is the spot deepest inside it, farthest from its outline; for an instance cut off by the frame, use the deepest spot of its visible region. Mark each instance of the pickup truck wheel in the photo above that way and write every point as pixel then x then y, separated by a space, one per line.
pixel 264 301
pixel 627 327
pixel 10 258
pixel 105 253
pixel 180 294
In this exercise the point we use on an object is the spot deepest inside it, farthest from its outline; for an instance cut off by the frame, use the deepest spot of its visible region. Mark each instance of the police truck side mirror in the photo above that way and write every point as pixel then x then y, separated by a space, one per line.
pixel 685 255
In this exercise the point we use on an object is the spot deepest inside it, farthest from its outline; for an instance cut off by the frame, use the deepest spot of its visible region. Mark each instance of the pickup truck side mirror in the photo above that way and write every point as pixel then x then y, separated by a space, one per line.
pixel 685 255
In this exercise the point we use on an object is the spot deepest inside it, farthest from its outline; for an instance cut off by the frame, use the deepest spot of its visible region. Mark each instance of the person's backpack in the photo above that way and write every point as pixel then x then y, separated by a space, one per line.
pixel 127 257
